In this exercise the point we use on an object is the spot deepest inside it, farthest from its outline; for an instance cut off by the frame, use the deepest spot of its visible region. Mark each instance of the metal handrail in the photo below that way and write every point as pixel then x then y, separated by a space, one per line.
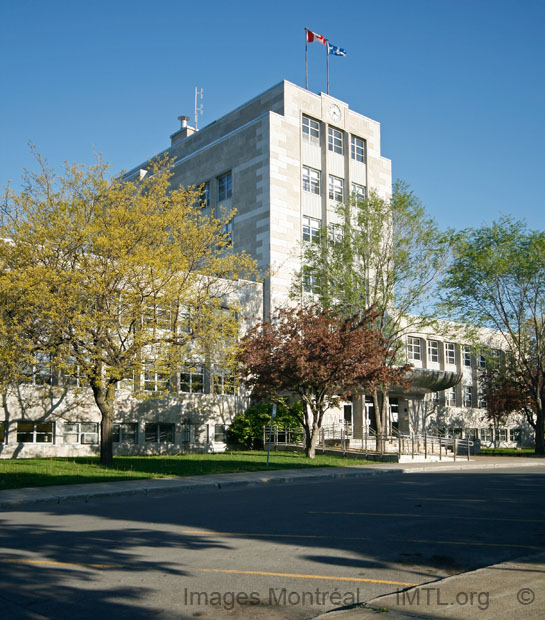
pixel 396 442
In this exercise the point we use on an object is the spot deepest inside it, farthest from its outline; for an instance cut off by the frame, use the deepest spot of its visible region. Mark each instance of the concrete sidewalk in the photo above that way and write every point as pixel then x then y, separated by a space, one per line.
pixel 500 592
pixel 85 492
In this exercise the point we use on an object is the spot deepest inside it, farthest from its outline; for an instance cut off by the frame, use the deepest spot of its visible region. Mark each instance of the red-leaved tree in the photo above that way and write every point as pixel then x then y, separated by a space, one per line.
pixel 318 357
pixel 506 391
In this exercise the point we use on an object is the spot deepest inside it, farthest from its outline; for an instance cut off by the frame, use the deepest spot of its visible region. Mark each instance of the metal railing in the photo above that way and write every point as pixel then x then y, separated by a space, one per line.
pixel 341 438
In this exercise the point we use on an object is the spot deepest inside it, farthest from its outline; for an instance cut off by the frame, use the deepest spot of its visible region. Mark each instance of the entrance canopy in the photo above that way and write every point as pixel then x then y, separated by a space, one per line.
pixel 423 381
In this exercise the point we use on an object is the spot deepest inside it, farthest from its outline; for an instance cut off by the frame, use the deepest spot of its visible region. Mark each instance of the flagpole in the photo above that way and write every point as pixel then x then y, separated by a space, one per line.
pixel 306 59
pixel 327 62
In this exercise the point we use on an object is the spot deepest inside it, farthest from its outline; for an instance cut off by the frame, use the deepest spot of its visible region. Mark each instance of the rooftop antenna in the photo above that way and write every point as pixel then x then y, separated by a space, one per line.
pixel 198 93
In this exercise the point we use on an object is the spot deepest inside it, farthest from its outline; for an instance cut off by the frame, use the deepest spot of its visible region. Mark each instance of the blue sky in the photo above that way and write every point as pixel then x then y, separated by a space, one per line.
pixel 458 85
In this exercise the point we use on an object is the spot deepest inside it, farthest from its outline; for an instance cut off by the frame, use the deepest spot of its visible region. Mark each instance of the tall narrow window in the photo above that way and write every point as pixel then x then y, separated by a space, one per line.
pixel 450 397
pixel 205 195
pixel 311 130
pixel 357 149
pixel 467 355
pixel 467 396
pixel 433 351
pixel 413 348
pixel 336 188
pixel 335 140
pixel 311 180
pixel 227 232
pixel 225 186
pixel 310 282
pixel 450 353
pixel 311 229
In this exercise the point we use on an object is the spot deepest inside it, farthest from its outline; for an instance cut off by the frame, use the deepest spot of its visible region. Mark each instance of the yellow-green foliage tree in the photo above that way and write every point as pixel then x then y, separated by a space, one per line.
pixel 103 274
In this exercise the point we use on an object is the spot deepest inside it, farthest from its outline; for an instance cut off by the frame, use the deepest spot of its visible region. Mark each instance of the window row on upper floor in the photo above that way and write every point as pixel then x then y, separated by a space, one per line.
pixel 312 183
pixel 311 131
pixel 436 351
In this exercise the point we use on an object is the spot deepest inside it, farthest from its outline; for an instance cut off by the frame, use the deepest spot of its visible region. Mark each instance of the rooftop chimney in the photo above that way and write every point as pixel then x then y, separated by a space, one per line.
pixel 184 132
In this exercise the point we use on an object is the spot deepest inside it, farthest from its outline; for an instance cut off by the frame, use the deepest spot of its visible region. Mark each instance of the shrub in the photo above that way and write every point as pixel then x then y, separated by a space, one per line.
pixel 246 431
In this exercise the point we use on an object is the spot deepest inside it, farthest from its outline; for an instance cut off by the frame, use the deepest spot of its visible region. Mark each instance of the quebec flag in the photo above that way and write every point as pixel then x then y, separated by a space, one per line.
pixel 336 51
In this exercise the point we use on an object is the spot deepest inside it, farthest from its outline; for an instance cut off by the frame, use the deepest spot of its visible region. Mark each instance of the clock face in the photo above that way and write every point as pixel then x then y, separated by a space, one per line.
pixel 334 112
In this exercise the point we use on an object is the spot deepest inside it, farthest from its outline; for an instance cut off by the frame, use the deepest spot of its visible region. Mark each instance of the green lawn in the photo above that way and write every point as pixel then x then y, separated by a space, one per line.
pixel 20 473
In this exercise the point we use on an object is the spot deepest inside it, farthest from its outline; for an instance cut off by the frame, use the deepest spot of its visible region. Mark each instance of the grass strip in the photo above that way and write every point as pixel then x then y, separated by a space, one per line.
pixel 23 473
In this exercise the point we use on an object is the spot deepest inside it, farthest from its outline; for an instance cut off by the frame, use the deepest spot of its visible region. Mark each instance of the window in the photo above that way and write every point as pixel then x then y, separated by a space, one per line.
pixel 450 353
pixel 311 229
pixel 225 186
pixel 482 404
pixel 192 379
pixel 311 130
pixel 311 180
pixel 219 432
pixel 205 195
pixel 336 188
pixel 227 231
pixel 433 351
pixel 125 432
pixel 359 192
pixel 335 140
pixel 2 432
pixel 35 432
pixel 156 379
pixel 515 434
pixel 310 282
pixel 157 317
pixel 485 434
pixel 357 149
pixel 224 383
pixel 467 355
pixel 413 348
pixel 159 433
pixel 41 371
pixel 467 396
pixel 80 432
pixel 71 375
pixel 335 233
pixel 481 361
pixel 450 397
pixel 501 434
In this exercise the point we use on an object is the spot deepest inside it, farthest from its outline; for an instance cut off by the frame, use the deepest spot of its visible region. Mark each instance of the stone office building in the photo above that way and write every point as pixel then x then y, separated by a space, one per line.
pixel 282 160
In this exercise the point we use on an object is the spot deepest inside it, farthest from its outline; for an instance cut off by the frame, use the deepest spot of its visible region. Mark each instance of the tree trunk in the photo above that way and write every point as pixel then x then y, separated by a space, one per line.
pixel 540 431
pixel 380 402
pixel 104 398
pixel 312 440
pixel 312 423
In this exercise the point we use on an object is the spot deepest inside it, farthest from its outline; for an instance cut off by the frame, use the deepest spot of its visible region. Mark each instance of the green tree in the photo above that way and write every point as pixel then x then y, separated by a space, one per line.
pixel 497 280
pixel 115 278
pixel 381 253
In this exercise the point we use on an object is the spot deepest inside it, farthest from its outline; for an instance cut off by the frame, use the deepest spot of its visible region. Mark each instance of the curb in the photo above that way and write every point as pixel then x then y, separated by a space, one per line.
pixel 67 493
pixel 180 486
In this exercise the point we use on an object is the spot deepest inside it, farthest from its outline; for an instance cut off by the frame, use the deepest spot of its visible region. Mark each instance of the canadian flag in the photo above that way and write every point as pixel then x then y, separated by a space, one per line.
pixel 312 36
